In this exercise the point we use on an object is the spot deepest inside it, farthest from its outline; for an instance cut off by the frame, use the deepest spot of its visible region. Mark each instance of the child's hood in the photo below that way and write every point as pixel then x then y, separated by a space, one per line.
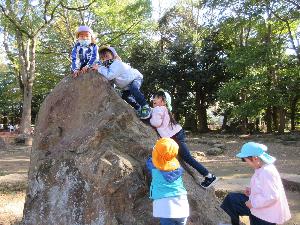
pixel 170 176
pixel 173 175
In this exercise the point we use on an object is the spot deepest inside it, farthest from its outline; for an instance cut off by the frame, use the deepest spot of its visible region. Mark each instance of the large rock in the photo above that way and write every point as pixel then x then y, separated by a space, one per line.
pixel 88 162
pixel 2 144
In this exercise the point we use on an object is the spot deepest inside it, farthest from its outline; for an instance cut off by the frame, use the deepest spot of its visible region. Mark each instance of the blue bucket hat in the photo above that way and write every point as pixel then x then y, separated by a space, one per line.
pixel 256 149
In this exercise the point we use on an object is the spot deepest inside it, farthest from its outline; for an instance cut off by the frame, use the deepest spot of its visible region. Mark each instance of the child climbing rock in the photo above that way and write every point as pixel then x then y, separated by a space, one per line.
pixel 170 203
pixel 165 124
pixel 85 51
pixel 129 80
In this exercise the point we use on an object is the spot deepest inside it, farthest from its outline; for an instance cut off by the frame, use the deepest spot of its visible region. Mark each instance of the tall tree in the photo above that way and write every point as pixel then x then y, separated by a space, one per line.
pixel 25 21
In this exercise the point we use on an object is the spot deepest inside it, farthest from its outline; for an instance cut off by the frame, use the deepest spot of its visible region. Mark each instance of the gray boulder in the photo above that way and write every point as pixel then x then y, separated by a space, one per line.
pixel 88 162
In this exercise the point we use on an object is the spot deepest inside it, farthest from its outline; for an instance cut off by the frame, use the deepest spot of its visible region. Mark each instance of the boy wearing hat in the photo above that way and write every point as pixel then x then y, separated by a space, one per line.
pixel 85 52
pixel 264 201
pixel 170 203
pixel 129 80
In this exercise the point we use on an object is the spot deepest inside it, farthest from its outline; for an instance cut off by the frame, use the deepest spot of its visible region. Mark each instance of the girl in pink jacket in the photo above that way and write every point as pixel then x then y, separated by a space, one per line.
pixel 166 126
pixel 264 201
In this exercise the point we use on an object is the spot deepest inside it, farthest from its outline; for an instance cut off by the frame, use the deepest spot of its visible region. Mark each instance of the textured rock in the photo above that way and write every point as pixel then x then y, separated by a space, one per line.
pixel 88 162
pixel 214 151
pixel 2 144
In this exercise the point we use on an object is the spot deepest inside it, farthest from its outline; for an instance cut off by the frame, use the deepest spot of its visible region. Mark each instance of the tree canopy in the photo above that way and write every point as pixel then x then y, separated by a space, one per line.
pixel 240 59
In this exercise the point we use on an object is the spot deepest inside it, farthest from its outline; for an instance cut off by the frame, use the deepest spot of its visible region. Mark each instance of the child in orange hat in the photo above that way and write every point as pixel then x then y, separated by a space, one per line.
pixel 170 203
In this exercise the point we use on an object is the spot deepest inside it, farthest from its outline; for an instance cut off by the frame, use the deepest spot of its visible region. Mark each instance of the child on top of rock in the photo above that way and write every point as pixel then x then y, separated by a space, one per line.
pixel 265 201
pixel 165 124
pixel 85 51
pixel 170 203
pixel 129 80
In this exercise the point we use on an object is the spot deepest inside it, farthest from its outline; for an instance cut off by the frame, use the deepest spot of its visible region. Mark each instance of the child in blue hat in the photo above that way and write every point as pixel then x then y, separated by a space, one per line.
pixel 85 52
pixel 264 201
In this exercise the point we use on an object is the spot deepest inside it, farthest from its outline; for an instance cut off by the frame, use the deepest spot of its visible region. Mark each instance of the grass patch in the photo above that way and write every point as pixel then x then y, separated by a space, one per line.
pixel 12 188
pixel 2 173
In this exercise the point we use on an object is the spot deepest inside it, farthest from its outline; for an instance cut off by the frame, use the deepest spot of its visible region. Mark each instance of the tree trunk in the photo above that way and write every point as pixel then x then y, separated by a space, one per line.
pixel 293 112
pixel 281 127
pixel 225 121
pixel 270 69
pixel 257 124
pixel 269 119
pixel 25 127
pixel 27 62
pixel 275 118
pixel 201 113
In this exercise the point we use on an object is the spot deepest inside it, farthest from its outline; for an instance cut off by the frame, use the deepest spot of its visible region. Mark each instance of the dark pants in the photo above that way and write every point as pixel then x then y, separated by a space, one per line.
pixel 133 96
pixel 173 221
pixel 185 154
pixel 234 205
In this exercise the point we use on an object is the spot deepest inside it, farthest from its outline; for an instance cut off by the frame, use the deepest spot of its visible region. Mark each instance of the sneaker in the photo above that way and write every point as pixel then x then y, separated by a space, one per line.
pixel 138 111
pixel 208 182
pixel 145 112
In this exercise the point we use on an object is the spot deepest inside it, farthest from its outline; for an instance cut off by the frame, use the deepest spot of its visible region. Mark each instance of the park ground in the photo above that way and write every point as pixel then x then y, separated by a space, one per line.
pixel 234 175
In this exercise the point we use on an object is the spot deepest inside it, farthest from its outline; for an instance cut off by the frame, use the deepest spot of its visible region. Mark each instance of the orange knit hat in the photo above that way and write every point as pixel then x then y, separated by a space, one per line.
pixel 164 154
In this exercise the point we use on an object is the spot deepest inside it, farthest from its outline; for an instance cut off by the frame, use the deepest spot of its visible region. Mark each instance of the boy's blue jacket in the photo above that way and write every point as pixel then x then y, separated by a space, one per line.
pixel 82 56
pixel 165 183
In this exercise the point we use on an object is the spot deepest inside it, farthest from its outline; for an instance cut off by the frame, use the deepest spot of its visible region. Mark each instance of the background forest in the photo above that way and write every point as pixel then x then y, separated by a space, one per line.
pixel 234 59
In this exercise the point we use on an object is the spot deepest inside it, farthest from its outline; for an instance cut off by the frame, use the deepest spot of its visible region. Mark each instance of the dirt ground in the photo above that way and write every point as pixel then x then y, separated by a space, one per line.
pixel 234 175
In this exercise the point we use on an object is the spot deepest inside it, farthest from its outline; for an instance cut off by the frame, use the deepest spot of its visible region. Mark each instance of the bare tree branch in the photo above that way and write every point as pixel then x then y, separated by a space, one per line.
pixel 14 21
pixel 294 3
pixel 80 8
pixel 126 31
pixel 285 20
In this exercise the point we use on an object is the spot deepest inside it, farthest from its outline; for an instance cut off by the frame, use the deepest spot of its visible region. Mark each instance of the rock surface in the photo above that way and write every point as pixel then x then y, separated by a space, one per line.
pixel 88 162
pixel 2 144
pixel 215 151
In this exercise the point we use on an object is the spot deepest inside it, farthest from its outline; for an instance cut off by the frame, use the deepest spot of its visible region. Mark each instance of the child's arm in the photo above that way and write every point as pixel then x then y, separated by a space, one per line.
pixel 149 164
pixel 157 117
pixel 75 59
pixel 269 192
pixel 113 71
pixel 94 56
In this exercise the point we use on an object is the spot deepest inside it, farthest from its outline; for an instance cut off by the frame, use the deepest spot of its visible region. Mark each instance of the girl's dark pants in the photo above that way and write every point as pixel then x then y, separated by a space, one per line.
pixel 185 154
pixel 234 205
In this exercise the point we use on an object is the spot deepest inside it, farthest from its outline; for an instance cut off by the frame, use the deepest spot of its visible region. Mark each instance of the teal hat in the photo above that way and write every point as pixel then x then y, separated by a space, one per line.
pixel 256 149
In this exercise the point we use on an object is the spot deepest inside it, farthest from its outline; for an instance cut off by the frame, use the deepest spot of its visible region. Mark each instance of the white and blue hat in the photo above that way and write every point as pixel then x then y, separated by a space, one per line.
pixel 256 149
pixel 113 50
pixel 84 29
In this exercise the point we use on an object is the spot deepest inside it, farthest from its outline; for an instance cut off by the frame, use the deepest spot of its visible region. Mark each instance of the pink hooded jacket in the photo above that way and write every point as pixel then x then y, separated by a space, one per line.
pixel 161 120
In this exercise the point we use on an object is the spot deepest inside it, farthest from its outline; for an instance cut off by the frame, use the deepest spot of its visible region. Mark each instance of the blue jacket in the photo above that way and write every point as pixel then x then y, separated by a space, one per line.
pixel 84 56
pixel 165 183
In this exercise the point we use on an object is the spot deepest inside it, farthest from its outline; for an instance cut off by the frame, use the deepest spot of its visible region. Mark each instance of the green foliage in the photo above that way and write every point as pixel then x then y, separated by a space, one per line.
pixel 226 52
pixel 10 97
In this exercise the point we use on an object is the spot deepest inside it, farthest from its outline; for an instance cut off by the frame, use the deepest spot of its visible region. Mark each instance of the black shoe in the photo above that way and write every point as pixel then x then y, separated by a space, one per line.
pixel 208 182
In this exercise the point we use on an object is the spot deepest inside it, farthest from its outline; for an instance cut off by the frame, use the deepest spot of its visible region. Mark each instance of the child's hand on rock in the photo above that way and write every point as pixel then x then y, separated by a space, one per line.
pixel 75 73
pixel 84 69
pixel 95 67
